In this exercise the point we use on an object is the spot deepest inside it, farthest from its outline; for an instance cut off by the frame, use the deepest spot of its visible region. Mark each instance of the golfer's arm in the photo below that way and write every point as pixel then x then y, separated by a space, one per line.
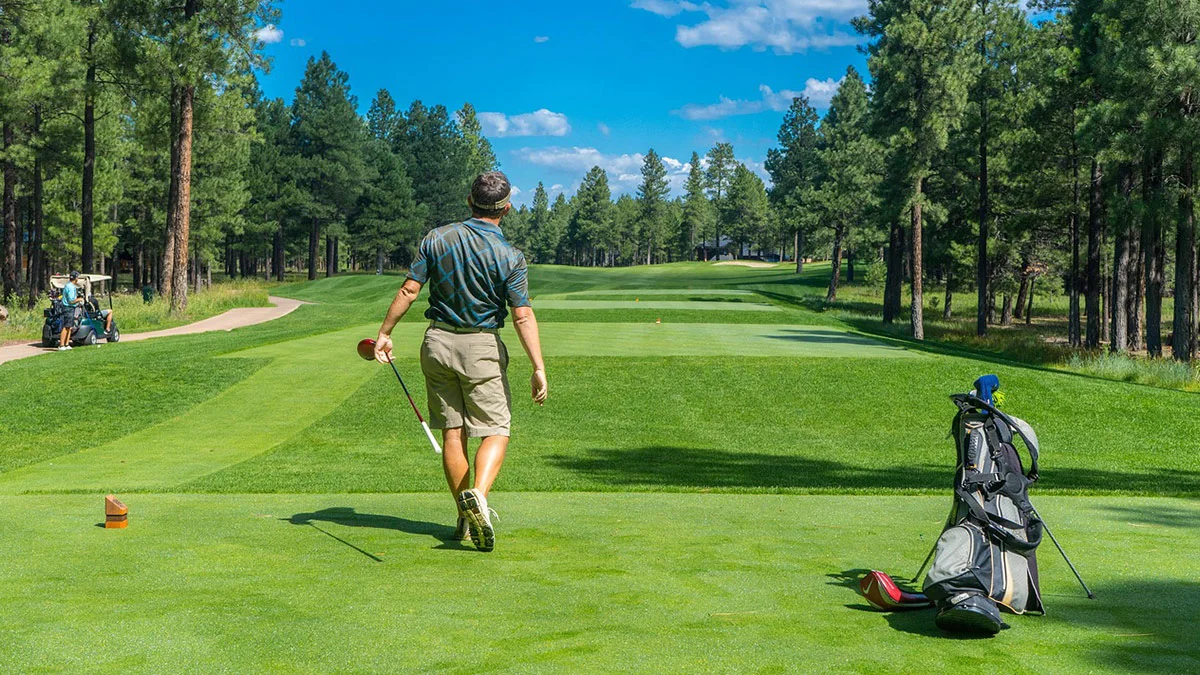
pixel 527 329
pixel 404 299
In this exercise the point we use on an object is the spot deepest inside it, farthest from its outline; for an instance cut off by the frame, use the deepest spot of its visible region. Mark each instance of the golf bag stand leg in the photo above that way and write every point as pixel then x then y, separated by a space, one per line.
pixel 1090 594
pixel 949 520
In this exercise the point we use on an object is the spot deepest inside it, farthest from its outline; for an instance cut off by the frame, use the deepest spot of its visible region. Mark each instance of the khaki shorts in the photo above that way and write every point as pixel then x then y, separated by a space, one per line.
pixel 466 382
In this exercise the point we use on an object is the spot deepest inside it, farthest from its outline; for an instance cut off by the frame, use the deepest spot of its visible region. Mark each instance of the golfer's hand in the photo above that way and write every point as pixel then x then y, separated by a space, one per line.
pixel 539 386
pixel 383 348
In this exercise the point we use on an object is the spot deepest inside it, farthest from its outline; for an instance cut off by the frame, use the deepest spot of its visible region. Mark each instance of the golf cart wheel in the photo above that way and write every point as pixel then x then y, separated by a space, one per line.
pixel 90 340
pixel 115 335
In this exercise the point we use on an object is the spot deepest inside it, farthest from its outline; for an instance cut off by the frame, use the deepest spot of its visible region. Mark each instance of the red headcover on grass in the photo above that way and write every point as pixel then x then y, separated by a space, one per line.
pixel 883 593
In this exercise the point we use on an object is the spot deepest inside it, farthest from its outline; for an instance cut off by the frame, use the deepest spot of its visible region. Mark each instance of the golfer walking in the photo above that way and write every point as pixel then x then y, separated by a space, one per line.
pixel 474 274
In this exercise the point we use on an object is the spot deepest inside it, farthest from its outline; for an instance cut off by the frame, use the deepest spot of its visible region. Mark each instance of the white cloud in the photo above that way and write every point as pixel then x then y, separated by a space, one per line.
pixel 818 92
pixel 624 170
pixel 269 34
pixel 297 42
pixel 604 128
pixel 541 38
pixel 538 123
pixel 784 26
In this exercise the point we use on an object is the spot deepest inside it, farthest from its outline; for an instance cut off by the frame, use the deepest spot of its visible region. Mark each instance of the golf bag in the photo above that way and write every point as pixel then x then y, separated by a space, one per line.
pixel 985 559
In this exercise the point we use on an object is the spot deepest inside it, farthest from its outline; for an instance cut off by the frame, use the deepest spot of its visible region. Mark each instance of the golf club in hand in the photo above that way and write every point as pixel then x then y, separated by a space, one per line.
pixel 366 349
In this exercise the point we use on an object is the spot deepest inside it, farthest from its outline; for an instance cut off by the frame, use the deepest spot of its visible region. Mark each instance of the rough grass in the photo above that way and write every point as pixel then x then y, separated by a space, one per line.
pixel 133 315
pixel 1165 373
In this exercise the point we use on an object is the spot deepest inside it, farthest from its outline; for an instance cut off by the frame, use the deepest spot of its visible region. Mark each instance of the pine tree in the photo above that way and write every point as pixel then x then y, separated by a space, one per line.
pixel 850 162
pixel 480 157
pixel 747 206
pixel 591 217
pixel 652 198
pixel 384 122
pixel 920 74
pixel 327 136
pixel 717 178
pixel 794 171
pixel 544 242
pixel 385 215
pixel 697 218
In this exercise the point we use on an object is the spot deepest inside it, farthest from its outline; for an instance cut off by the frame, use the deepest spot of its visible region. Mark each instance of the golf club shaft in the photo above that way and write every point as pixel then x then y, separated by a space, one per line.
pixel 922 568
pixel 424 425
pixel 1090 594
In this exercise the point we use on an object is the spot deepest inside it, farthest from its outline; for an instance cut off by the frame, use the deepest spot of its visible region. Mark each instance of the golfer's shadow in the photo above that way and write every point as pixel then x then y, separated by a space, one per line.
pixel 348 517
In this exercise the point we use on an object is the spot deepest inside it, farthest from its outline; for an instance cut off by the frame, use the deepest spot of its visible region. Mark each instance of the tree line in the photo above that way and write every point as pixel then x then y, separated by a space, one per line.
pixel 997 149
pixel 134 135
pixel 1054 145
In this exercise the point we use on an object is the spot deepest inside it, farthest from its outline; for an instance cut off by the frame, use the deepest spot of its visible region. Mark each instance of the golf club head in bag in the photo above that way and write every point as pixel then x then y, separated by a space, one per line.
pixel 882 593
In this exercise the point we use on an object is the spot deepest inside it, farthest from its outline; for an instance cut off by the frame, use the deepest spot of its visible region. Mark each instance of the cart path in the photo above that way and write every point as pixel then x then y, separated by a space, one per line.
pixel 234 318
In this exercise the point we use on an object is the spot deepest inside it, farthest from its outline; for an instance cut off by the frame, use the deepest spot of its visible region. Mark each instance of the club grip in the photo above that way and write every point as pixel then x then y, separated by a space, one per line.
pixel 432 441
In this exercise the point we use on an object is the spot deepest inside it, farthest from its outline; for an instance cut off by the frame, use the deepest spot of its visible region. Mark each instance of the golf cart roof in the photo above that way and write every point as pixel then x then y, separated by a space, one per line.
pixel 60 280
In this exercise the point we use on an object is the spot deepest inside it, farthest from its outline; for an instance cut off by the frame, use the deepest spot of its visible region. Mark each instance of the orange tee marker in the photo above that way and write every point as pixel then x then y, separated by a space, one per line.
pixel 116 514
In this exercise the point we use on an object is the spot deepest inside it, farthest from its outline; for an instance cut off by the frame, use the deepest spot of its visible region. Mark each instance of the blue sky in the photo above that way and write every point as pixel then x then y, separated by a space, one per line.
pixel 562 86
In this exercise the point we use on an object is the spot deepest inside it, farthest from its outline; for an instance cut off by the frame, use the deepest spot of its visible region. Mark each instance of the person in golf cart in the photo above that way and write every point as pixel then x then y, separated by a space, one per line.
pixel 80 317
pixel 74 303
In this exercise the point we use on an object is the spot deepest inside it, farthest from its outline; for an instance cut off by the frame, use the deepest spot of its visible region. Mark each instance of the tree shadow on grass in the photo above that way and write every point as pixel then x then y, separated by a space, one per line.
pixel 698 468
pixel 1148 626
pixel 347 516
pixel 1166 516
pixel 826 336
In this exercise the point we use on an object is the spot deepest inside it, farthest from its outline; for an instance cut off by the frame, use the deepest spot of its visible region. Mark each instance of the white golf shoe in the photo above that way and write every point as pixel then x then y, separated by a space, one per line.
pixel 474 506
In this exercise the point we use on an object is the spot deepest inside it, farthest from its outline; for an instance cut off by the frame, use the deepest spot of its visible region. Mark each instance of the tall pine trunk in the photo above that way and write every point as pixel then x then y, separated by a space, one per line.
pixel 850 265
pixel 982 273
pixel 799 250
pixel 1119 304
pixel 181 212
pixel 1095 284
pixel 1154 250
pixel 36 255
pixel 1074 319
pixel 164 273
pixel 1029 306
pixel 277 254
pixel 1134 313
pixel 918 290
pixel 948 305
pixel 314 242
pixel 1022 292
pixel 11 264
pixel 1006 311
pixel 893 287
pixel 839 233
pixel 87 199
pixel 1183 346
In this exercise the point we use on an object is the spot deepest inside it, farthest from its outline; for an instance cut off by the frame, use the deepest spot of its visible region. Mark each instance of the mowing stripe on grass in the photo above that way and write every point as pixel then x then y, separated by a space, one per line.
pixel 698 305
pixel 305 380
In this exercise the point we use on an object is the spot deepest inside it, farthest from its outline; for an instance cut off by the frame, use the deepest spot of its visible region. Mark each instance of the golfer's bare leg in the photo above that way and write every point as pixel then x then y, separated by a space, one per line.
pixel 454 460
pixel 488 459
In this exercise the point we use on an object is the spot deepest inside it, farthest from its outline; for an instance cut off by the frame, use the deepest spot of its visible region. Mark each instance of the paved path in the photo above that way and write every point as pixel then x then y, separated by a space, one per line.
pixel 234 318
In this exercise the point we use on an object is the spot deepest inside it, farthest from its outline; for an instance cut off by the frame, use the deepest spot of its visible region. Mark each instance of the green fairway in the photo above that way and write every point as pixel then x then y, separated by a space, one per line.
pixel 287 514
pixel 646 583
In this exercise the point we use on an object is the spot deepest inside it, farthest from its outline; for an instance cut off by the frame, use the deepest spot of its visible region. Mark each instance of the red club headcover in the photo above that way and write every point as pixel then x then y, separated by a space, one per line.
pixel 883 593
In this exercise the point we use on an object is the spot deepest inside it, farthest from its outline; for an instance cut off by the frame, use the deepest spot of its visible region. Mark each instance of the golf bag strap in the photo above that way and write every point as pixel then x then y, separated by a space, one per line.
pixel 1030 446
pixel 998 526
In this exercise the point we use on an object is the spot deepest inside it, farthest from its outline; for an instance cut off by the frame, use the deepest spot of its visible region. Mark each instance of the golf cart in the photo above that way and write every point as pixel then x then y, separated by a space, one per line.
pixel 88 321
